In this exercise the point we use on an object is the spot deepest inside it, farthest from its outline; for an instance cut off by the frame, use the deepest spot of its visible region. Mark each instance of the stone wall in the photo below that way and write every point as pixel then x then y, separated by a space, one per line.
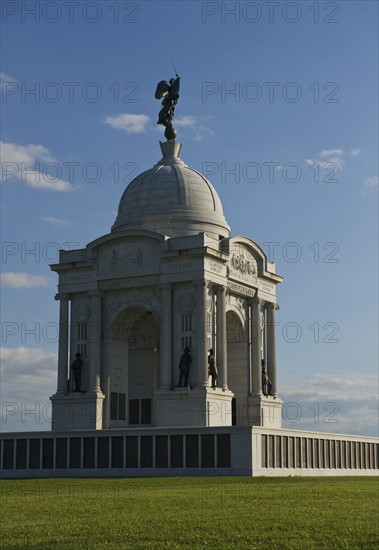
pixel 232 451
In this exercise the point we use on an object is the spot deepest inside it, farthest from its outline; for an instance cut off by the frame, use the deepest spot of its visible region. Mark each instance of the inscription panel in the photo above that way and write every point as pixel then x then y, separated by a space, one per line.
pixel 241 289
pixel 74 278
pixel 215 267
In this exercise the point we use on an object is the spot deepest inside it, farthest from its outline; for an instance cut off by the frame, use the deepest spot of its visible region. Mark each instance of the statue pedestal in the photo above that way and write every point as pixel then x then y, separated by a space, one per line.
pixel 264 411
pixel 77 411
pixel 197 407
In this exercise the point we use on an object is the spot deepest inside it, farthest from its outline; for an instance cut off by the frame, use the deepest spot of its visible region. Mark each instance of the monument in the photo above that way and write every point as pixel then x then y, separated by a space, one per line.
pixel 167 354
pixel 167 277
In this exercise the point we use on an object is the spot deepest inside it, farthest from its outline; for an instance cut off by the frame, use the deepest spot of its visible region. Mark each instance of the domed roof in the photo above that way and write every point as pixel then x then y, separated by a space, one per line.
pixel 172 199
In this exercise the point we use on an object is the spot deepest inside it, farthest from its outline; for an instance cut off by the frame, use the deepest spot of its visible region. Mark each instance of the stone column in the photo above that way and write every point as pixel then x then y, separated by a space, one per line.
pixel 271 346
pixel 166 338
pixel 256 343
pixel 63 343
pixel 221 338
pixel 95 342
pixel 202 379
pixel 250 344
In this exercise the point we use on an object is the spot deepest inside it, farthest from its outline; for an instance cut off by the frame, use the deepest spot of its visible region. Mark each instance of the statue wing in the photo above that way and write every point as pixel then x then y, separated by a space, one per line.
pixel 162 89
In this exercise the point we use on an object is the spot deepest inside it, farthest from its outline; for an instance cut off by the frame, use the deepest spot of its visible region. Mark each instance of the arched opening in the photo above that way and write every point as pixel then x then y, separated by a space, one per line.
pixel 133 368
pixel 238 375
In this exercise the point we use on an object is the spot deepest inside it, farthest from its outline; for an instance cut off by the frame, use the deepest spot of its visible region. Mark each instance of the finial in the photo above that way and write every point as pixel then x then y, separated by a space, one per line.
pixel 169 91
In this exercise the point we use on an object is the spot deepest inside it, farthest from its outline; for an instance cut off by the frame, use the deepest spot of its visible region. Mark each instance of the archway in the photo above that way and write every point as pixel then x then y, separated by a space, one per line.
pixel 133 368
pixel 238 375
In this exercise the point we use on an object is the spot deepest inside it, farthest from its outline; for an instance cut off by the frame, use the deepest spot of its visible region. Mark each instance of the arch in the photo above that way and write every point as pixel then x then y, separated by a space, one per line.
pixel 128 307
pixel 131 361
pixel 237 312
pixel 238 365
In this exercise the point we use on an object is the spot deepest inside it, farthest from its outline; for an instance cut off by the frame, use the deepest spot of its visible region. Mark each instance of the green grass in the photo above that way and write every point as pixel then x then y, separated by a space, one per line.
pixel 196 513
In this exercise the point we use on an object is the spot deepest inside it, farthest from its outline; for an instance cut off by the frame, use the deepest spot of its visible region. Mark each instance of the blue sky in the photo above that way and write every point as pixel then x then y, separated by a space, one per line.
pixel 280 91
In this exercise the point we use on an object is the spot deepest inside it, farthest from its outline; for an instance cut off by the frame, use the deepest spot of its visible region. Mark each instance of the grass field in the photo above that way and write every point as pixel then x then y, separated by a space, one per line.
pixel 222 513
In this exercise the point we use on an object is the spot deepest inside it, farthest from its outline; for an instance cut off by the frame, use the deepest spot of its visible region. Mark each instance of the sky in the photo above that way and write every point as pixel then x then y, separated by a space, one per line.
pixel 278 108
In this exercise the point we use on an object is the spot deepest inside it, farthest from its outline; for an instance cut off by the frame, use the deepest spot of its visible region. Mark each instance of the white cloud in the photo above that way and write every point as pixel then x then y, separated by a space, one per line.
pixel 372 182
pixel 6 79
pixel 331 153
pixel 202 132
pixel 12 279
pixel 27 154
pixel 332 159
pixel 132 124
pixel 187 120
pixel 54 221
pixel 196 125
pixel 45 182
pixel 332 404
pixel 329 164
pixel 355 152
pixel 23 361
pixel 23 162
pixel 28 378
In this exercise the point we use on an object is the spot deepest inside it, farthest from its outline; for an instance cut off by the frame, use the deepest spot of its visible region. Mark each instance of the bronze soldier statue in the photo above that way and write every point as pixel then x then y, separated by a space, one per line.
pixel 266 384
pixel 212 369
pixel 184 365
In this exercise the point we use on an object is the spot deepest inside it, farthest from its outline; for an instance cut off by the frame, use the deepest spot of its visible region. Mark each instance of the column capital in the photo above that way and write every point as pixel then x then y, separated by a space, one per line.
pixel 250 300
pixel 165 286
pixel 221 288
pixel 258 301
pixel 272 305
pixel 61 297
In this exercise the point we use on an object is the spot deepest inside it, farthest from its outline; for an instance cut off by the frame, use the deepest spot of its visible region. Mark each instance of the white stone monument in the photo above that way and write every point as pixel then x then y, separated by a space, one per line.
pixel 168 276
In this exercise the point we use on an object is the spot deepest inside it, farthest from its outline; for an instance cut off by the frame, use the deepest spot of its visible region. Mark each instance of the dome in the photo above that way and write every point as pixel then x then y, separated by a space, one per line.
pixel 172 199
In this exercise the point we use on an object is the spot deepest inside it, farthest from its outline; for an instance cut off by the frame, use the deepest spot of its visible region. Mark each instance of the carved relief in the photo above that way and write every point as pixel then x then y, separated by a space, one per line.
pixel 112 303
pixel 132 254
pixel 83 311
pixel 129 258
pixel 150 297
pixel 186 303
pixel 240 303
pixel 242 264
pixel 124 256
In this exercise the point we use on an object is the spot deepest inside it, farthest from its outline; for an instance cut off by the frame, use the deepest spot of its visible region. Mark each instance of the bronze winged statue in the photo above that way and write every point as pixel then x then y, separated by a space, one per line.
pixel 169 91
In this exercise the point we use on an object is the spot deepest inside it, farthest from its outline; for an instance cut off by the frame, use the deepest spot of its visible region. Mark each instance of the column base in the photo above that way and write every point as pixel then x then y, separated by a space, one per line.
pixel 193 407
pixel 264 411
pixel 77 411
